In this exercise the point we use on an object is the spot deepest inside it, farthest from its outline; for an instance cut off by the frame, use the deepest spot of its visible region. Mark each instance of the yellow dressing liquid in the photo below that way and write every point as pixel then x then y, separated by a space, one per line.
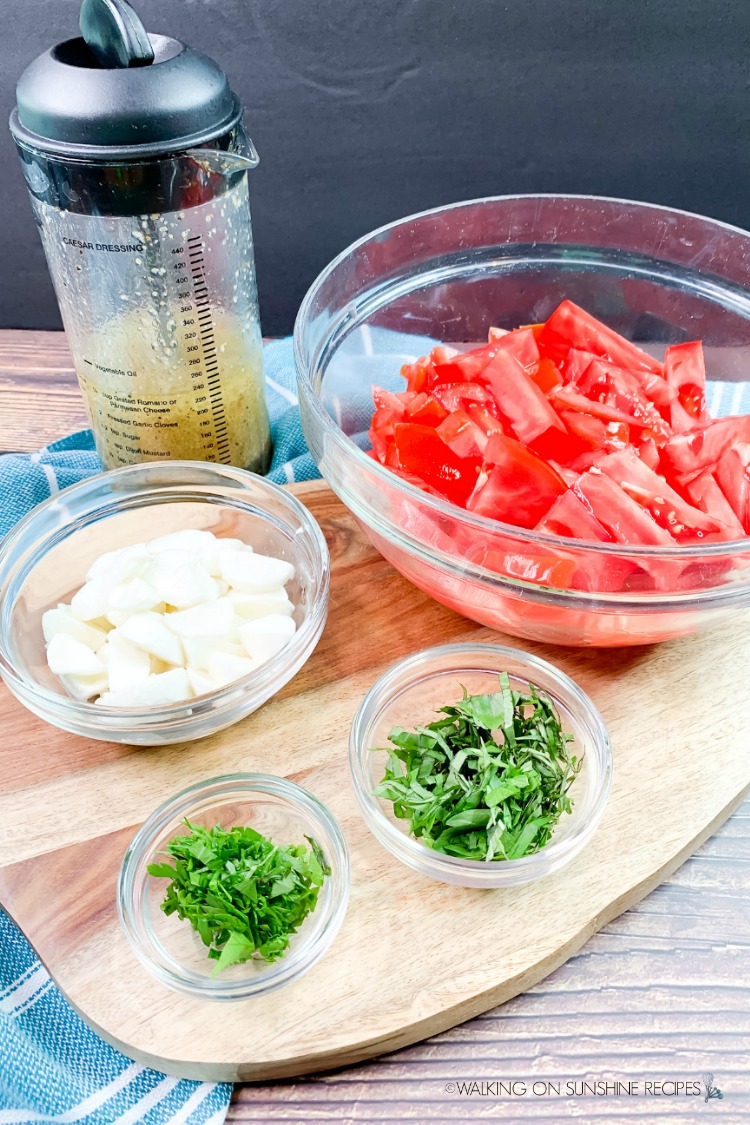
pixel 155 395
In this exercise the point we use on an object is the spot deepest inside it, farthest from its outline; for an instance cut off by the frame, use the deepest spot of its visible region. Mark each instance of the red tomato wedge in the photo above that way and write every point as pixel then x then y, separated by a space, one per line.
pixel 668 508
pixel 685 372
pixel 705 493
pixel 733 475
pixel 416 374
pixel 424 454
pixel 546 375
pixel 605 383
pixel 457 396
pixel 462 435
pixel 622 516
pixel 521 403
pixel 688 454
pixel 425 410
pixel 521 345
pixel 515 486
pixel 568 398
pixel 572 327
pixel 569 516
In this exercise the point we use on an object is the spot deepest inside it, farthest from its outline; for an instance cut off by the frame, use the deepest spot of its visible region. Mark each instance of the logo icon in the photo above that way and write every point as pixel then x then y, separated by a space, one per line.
pixel 711 1090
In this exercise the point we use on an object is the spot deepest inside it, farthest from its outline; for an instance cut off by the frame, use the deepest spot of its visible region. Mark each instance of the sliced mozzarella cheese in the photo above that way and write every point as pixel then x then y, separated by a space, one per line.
pixel 84 687
pixel 191 539
pixel 199 650
pixel 200 681
pixel 250 606
pixel 118 617
pixel 91 600
pixel 148 631
pixel 254 574
pixel 63 620
pixel 119 566
pixel 180 580
pixel 225 668
pixel 169 687
pixel 211 619
pixel 132 595
pixel 160 622
pixel 266 636
pixel 68 657
pixel 211 554
pixel 126 664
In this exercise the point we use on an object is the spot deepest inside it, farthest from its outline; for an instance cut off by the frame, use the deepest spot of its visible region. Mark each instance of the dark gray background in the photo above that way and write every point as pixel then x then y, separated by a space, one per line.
pixel 366 110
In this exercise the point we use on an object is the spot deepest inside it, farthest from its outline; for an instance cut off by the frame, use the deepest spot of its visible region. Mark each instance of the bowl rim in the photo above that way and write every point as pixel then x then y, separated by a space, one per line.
pixel 444 507
pixel 393 682
pixel 192 709
pixel 292 964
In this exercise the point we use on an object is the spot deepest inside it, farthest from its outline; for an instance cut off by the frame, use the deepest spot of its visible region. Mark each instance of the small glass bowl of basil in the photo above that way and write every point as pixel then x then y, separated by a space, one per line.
pixel 234 886
pixel 480 765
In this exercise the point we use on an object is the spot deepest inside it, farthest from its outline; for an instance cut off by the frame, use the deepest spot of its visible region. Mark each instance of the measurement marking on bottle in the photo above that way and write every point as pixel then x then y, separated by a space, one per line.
pixel 208 347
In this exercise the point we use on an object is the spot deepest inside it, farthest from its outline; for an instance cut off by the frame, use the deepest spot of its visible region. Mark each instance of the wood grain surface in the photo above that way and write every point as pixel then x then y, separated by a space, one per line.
pixel 660 991
pixel 64 835
pixel 39 396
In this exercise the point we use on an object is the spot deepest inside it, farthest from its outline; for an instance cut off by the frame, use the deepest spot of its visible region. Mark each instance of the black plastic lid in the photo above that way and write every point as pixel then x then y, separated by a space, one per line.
pixel 120 93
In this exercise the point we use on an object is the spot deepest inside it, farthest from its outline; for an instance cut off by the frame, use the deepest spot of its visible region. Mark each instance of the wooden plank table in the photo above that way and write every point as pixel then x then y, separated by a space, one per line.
pixel 660 995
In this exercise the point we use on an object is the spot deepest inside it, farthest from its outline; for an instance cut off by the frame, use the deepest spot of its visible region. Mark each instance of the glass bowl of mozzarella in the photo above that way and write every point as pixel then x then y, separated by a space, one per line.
pixel 160 603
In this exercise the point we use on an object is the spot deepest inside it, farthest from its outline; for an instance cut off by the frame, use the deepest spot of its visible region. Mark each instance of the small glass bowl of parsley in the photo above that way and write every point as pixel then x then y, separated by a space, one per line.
pixel 480 765
pixel 234 886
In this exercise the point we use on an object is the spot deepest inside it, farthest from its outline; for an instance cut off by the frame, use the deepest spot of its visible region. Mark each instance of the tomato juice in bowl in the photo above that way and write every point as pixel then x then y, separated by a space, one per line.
pixel 656 277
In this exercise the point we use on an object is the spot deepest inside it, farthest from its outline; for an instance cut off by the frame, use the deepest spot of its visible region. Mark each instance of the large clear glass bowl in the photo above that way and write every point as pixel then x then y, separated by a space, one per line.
pixel 656 275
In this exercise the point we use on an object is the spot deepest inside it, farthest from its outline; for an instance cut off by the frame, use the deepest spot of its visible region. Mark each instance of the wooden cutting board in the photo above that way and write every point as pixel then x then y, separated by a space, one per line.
pixel 414 956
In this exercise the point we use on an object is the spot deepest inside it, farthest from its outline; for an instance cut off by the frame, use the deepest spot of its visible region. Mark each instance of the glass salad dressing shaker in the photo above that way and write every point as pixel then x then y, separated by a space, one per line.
pixel 136 161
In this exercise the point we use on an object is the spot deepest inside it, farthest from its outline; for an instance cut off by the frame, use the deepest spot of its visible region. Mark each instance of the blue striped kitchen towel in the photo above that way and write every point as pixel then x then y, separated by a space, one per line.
pixel 54 1069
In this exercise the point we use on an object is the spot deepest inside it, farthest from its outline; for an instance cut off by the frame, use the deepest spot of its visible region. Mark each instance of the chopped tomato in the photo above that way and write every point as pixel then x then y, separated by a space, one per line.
pixel 733 475
pixel 576 364
pixel 486 421
pixel 569 516
pixel 568 398
pixel 520 401
pixel 572 327
pixel 522 345
pixel 625 519
pixel 422 452
pixel 649 453
pixel 515 486
pixel 468 366
pixel 685 371
pixel 425 410
pixel 651 491
pixel 688 454
pixel 595 431
pixel 559 444
pixel 569 428
pixel 603 382
pixel 462 435
pixel 705 493
pixel 389 410
pixel 416 374
pixel 546 376
pixel 442 354
pixel 387 400
pixel 456 396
